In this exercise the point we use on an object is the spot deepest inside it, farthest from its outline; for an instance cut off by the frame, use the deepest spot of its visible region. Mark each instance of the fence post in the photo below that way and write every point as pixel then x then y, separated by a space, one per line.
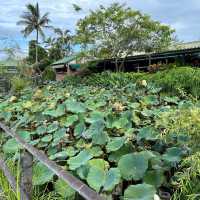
pixel 26 162
pixel 11 180
pixel 78 185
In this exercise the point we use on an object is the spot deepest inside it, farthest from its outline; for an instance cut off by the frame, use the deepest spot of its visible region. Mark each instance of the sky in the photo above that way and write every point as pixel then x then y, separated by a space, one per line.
pixel 182 15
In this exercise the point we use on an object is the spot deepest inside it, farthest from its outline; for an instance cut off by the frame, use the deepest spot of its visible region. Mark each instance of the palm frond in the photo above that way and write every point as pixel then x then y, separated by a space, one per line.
pixel 32 21
pixel 41 33
pixel 44 20
pixel 37 10
pixel 58 31
pixel 76 7
pixel 31 9
pixel 66 32
pixel 24 22
pixel 28 30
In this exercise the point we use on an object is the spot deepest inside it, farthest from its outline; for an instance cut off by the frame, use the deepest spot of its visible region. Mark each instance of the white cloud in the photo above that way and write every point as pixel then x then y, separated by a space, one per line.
pixel 181 14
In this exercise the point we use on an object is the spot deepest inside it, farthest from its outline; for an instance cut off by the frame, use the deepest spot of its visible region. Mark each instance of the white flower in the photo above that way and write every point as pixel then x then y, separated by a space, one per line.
pixel 156 197
pixel 144 83
pixel 13 99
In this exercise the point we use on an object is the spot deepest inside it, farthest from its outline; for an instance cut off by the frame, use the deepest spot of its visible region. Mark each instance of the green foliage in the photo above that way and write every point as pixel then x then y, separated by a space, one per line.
pixel 41 174
pixel 42 54
pixel 18 83
pixel 106 136
pixel 155 178
pixel 6 190
pixel 137 164
pixel 59 45
pixel 184 120
pixel 173 81
pixel 139 192
pixel 79 160
pixel 43 64
pixel 64 190
pixel 32 20
pixel 178 79
pixel 119 31
pixel 11 146
pixel 49 74
pixel 186 182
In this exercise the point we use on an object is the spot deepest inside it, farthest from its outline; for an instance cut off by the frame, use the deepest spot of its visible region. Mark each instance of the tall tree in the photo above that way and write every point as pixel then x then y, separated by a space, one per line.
pixel 63 40
pixel 119 31
pixel 42 53
pixel 33 21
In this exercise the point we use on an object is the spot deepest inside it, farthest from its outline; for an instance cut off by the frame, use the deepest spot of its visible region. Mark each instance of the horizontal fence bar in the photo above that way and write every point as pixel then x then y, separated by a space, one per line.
pixel 11 180
pixel 73 182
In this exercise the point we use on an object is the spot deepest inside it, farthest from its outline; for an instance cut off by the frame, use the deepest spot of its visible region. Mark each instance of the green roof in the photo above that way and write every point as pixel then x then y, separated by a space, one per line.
pixel 65 60
pixel 75 66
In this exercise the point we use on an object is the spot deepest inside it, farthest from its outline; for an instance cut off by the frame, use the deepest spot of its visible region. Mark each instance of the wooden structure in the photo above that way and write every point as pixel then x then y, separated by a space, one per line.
pixel 66 66
pixel 8 68
pixel 183 55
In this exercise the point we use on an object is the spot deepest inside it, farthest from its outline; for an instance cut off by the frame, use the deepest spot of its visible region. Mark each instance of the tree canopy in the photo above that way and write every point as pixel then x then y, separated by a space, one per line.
pixel 118 31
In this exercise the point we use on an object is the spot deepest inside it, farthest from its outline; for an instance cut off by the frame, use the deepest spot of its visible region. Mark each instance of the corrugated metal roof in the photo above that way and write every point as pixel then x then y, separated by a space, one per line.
pixel 187 45
pixel 65 60
pixel 174 47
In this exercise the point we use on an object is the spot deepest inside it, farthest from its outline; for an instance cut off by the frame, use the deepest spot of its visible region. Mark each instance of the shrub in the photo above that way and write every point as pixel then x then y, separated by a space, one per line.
pixel 43 64
pixel 182 121
pixel 175 79
pixel 18 83
pixel 49 74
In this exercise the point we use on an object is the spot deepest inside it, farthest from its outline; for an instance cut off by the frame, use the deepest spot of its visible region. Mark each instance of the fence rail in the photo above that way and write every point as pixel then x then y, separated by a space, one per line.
pixel 73 182
pixel 12 181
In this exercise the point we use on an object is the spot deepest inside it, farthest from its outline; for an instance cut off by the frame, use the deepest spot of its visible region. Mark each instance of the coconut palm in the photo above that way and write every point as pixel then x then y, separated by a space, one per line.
pixel 64 40
pixel 33 21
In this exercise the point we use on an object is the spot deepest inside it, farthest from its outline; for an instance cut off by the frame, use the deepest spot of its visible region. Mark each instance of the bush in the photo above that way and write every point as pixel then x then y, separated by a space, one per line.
pixel 182 121
pixel 49 74
pixel 172 81
pixel 18 83
pixel 43 64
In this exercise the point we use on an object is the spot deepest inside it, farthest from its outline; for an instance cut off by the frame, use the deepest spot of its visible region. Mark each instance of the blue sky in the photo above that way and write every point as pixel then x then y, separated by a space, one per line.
pixel 183 15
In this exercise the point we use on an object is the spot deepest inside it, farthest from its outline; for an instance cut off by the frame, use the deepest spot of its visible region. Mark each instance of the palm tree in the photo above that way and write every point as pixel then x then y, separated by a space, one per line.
pixel 64 39
pixel 33 21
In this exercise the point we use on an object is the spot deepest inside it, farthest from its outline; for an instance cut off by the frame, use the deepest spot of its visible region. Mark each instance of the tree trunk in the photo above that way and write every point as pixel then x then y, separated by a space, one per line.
pixel 36 47
pixel 63 52
pixel 121 67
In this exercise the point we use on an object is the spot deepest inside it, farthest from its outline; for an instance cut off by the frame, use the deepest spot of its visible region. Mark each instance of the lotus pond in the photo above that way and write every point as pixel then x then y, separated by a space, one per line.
pixel 120 141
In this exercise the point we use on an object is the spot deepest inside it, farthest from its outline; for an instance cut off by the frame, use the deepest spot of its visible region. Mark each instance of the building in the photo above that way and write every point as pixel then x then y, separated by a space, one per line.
pixel 184 54
pixel 66 66
pixel 9 65
pixel 8 68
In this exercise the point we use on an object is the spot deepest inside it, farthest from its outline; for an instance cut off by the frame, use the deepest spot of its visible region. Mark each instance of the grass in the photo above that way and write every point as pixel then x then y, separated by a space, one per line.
pixel 187 182
pixel 7 192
